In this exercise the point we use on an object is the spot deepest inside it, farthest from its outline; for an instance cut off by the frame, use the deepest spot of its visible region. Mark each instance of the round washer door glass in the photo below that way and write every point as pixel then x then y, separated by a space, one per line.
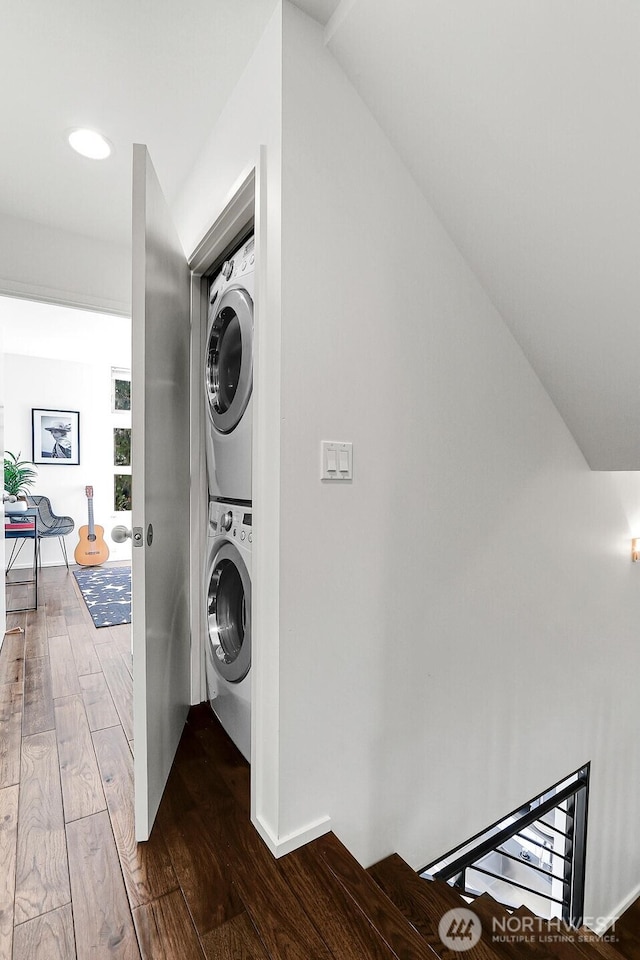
pixel 229 359
pixel 229 614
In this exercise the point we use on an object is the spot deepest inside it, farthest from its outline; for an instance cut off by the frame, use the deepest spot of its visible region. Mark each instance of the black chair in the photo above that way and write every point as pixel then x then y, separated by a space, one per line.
pixel 48 524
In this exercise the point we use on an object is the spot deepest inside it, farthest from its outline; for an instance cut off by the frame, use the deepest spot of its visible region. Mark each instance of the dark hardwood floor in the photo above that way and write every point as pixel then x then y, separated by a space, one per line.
pixel 73 881
pixel 75 884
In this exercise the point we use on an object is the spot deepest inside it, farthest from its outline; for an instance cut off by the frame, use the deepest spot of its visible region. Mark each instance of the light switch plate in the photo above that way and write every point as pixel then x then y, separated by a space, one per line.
pixel 337 460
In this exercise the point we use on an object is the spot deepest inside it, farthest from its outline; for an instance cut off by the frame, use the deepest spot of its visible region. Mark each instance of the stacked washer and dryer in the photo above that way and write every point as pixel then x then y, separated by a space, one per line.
pixel 228 375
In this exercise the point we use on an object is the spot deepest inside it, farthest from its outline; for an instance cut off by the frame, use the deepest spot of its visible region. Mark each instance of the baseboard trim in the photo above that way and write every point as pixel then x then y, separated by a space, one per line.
pixel 604 923
pixel 29 566
pixel 279 846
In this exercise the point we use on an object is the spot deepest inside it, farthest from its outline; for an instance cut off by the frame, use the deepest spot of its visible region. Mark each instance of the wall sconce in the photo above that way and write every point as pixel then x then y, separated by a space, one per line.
pixel 635 550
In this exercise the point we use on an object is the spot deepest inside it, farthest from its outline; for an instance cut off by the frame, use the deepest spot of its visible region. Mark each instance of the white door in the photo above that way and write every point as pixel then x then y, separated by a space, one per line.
pixel 160 495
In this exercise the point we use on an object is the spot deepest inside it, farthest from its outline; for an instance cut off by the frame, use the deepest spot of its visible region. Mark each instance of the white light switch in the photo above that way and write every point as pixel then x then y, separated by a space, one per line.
pixel 337 460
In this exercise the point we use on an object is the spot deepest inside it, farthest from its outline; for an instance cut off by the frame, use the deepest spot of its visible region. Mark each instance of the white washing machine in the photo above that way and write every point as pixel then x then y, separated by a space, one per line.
pixel 228 377
pixel 228 613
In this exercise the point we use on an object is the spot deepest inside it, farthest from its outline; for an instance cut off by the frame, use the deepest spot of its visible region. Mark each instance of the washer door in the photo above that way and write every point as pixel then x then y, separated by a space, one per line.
pixel 229 363
pixel 229 613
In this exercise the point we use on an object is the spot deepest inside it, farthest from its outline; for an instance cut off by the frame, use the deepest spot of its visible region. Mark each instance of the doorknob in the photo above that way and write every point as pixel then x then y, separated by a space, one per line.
pixel 119 534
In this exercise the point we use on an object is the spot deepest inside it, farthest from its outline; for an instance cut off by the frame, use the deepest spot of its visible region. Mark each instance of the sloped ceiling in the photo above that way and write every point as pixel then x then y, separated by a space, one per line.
pixel 520 121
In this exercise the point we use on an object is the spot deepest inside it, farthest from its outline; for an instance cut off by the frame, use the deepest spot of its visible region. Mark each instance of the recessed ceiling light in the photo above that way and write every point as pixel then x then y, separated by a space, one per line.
pixel 90 144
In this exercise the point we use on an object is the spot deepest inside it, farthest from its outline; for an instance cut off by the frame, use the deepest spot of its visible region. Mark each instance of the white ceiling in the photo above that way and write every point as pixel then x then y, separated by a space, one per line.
pixel 33 329
pixel 518 118
pixel 150 71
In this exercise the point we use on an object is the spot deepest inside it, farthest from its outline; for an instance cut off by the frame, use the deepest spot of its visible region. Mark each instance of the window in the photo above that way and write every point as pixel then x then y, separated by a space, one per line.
pixel 122 492
pixel 121 438
pixel 120 389
pixel 122 446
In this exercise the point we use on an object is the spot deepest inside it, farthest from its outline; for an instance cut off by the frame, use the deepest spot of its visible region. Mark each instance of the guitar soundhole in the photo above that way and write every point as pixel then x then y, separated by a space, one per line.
pixel 92 537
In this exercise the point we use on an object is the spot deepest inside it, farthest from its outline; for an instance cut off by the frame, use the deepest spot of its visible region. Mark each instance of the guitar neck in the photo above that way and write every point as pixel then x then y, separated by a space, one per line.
pixel 92 526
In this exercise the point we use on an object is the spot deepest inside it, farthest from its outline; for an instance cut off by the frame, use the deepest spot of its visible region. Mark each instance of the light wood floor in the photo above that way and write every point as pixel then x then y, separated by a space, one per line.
pixel 65 726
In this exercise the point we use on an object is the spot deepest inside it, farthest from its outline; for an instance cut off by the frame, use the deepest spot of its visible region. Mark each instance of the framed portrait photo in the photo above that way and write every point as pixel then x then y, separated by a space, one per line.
pixel 55 436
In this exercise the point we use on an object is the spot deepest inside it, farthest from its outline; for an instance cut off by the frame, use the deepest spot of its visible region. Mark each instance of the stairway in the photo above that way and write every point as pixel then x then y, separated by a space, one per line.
pixel 399 914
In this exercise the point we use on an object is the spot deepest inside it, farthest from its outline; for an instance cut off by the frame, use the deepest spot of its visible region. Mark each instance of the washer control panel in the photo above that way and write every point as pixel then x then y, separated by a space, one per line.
pixel 231 519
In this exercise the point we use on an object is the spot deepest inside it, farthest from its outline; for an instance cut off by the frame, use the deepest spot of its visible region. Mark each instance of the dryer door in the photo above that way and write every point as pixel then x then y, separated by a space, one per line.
pixel 229 359
pixel 229 613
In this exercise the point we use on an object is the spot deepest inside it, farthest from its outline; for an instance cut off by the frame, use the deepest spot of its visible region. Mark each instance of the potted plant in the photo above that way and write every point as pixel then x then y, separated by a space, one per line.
pixel 18 476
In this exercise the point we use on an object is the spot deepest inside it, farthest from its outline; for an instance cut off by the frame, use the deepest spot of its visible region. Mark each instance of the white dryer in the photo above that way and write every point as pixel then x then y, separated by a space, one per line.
pixel 228 614
pixel 228 377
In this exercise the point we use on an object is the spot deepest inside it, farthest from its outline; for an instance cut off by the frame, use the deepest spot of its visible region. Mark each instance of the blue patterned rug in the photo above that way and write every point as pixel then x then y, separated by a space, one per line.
pixel 107 594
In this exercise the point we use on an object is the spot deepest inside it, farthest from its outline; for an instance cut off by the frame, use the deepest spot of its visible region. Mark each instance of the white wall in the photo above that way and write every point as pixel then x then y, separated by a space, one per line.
pixel 251 117
pixel 59 358
pixel 41 263
pixel 458 626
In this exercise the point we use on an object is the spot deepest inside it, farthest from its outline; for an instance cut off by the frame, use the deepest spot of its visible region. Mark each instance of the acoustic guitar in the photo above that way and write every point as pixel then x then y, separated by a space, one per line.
pixel 91 550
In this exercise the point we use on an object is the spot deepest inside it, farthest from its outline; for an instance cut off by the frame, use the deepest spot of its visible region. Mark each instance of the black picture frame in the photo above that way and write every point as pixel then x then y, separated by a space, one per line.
pixel 57 447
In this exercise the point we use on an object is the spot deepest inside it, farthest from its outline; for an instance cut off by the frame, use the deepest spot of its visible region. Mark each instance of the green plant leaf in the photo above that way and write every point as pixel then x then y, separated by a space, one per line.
pixel 18 474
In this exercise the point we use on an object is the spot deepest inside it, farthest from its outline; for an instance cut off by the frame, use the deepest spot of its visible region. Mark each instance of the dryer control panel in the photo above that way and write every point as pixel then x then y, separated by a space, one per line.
pixel 231 520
